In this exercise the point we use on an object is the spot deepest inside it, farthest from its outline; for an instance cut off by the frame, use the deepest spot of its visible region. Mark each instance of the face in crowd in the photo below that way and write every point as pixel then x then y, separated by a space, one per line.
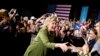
pixel 97 27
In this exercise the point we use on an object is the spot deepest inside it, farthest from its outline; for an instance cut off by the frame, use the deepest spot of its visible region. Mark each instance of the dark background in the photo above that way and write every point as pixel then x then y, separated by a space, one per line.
pixel 39 7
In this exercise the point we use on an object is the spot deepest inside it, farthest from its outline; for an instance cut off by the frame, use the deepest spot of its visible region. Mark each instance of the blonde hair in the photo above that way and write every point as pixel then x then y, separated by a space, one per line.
pixel 49 19
pixel 4 14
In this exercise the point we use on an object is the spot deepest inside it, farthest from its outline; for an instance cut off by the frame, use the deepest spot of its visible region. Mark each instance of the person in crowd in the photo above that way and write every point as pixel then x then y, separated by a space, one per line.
pixel 5 33
pixel 78 44
pixel 22 40
pixel 13 20
pixel 22 37
pixel 91 38
pixel 96 48
pixel 45 40
pixel 32 28
pixel 25 21
pixel 41 19
pixel 62 32
pixel 4 19
pixel 62 38
pixel 32 25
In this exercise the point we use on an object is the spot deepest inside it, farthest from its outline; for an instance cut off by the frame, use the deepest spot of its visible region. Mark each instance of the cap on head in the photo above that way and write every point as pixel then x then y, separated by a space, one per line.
pixel 33 18
pixel 25 18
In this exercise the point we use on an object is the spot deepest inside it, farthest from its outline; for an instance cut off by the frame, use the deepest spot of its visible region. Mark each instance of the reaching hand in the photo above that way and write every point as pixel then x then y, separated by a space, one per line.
pixel 75 49
pixel 64 47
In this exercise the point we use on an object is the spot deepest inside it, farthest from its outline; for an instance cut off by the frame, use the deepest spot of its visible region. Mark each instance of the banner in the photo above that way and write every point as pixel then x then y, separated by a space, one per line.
pixel 84 12
pixel 62 11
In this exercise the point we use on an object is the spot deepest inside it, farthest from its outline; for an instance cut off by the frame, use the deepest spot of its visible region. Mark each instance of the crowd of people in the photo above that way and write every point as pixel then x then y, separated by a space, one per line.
pixel 48 35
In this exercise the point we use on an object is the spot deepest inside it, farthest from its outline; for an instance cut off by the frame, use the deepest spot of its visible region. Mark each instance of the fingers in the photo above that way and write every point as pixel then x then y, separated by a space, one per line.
pixel 64 47
pixel 73 48
pixel 65 43
pixel 63 50
pixel 72 45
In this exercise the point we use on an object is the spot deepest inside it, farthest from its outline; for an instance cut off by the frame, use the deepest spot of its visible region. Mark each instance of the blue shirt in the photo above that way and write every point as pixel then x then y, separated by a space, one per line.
pixel 96 47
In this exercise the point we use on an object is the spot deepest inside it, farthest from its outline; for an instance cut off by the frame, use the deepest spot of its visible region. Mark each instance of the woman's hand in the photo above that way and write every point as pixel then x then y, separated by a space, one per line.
pixel 85 49
pixel 75 49
pixel 63 46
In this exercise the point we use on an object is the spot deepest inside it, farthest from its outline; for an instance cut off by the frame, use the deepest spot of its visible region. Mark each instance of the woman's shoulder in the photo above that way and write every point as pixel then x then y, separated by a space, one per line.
pixel 43 29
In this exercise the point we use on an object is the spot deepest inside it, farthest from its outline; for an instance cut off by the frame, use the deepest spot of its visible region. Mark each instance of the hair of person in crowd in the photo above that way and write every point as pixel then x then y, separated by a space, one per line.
pixel 4 17
pixel 97 28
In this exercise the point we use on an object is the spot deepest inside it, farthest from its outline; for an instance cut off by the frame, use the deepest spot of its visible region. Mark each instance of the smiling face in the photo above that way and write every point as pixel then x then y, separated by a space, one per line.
pixel 50 22
pixel 51 26
pixel 77 33
pixel 97 27
pixel 92 35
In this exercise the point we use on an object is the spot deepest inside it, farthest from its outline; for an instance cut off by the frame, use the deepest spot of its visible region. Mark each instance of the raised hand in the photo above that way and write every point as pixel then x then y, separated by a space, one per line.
pixel 12 12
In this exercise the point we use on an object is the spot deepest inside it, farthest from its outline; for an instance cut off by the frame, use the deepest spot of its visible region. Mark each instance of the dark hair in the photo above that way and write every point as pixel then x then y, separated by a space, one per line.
pixel 97 21
pixel 93 30
pixel 95 53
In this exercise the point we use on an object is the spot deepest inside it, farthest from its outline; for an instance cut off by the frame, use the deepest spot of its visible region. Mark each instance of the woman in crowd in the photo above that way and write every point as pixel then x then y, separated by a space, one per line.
pixel 78 44
pixel 45 39
pixel 96 49
pixel 5 33
pixel 91 38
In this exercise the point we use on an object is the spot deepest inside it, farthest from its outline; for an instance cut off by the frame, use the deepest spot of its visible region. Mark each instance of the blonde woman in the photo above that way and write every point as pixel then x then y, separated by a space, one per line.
pixel 4 20
pixel 45 39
